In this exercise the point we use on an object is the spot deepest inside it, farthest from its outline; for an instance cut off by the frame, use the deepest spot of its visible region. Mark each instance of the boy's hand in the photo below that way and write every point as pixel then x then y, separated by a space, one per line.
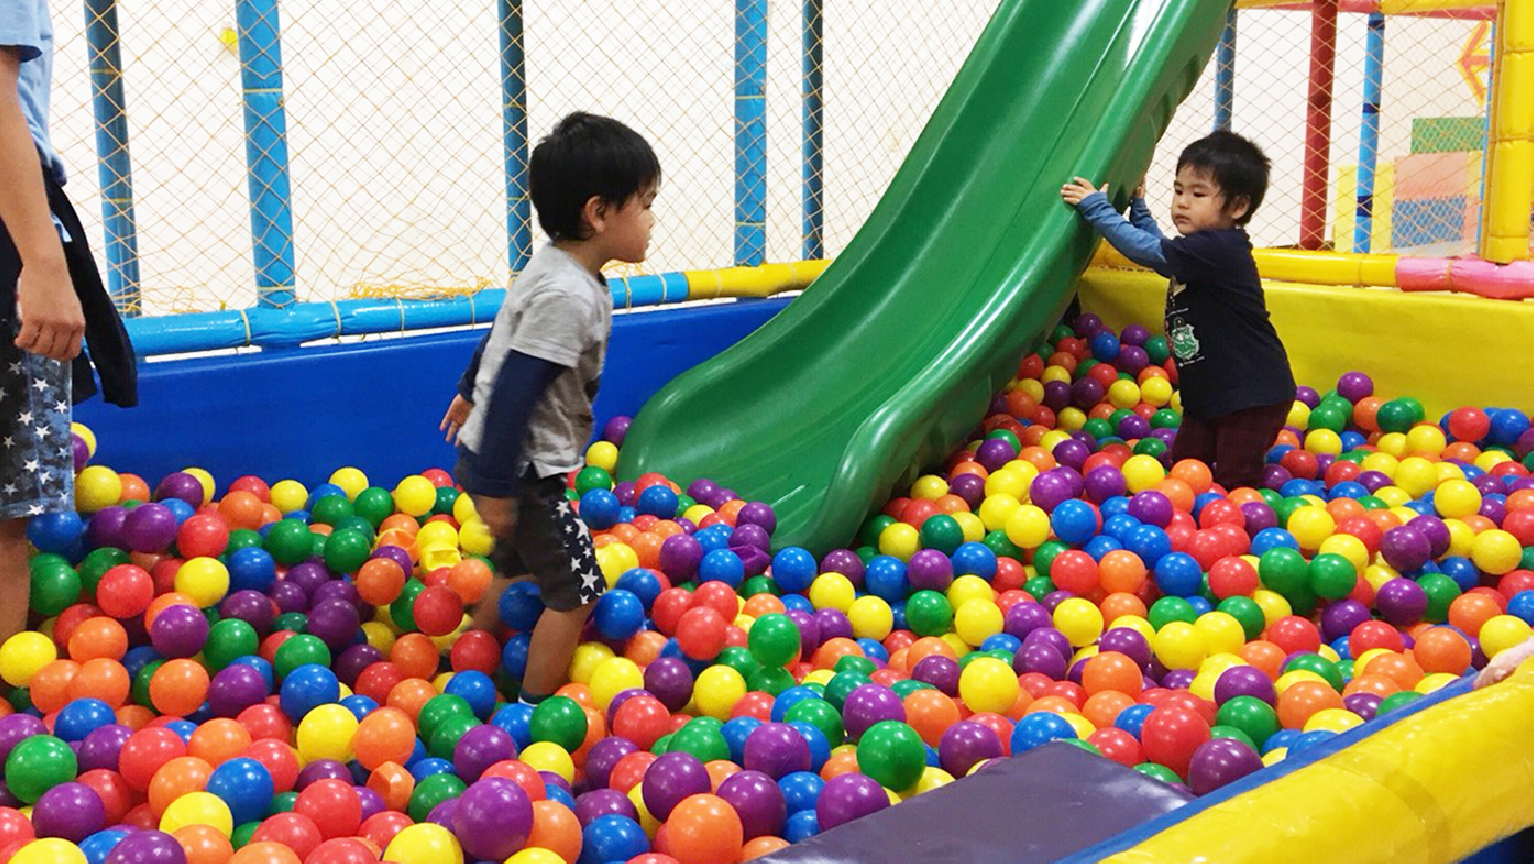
pixel 498 514
pixel 52 323
pixel 1504 664
pixel 1140 189
pixel 457 415
pixel 1078 189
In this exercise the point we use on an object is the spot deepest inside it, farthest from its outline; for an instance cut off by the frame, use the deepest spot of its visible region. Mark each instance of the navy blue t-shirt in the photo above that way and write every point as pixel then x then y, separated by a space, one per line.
pixel 1228 354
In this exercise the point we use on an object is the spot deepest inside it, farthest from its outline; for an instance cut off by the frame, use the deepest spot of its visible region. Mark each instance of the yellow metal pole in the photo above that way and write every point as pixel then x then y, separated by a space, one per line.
pixel 1510 147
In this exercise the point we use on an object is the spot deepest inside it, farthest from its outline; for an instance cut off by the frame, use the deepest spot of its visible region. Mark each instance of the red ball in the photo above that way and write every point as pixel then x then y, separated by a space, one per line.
pixel 437 610
pixel 1171 734
pixel 265 720
pixel 668 609
pixel 280 760
pixel 896 506
pixel 476 651
pixel 1517 580
pixel 1232 577
pixel 1520 524
pixel 112 789
pixel 701 633
pixel 1010 576
pixel 630 770
pixel 754 704
pixel 1365 529
pixel 254 485
pixel 1206 547
pixel 718 596
pixel 125 591
pixel 1293 633
pixel 1075 571
pixel 1118 745
pixel 917 512
pixel 380 828
pixel 1374 634
pixel 378 679
pixel 1301 463
pixel 144 752
pixel 293 830
pixel 1342 471
pixel 520 773
pixel 341 850
pixel 642 719
pixel 333 805
pixel 1469 424
pixel 202 536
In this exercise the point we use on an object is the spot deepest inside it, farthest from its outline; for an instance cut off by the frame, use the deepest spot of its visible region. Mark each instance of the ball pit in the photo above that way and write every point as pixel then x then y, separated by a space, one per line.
pixel 280 673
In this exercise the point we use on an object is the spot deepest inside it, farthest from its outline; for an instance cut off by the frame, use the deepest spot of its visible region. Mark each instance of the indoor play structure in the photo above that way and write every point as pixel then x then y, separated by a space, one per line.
pixel 844 416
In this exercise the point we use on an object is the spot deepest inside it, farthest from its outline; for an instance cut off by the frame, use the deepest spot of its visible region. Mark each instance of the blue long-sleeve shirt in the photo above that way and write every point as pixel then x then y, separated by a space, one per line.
pixel 1139 238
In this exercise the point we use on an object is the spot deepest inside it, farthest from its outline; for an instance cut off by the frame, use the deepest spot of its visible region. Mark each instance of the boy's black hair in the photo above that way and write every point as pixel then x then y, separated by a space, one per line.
pixel 587 156
pixel 1237 166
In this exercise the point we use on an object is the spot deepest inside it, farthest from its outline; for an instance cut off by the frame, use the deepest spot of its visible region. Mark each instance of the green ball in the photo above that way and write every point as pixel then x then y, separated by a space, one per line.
pixel 243 833
pixel 432 791
pixel 1246 611
pixel 1039 587
pixel 662 745
pixel 1233 732
pixel 1527 561
pixel 928 613
pixel 97 562
pixel 998 542
pixel 402 610
pixel 38 764
pixel 702 740
pixel 346 550
pixel 438 710
pixel 446 497
pixel 1044 556
pixel 284 802
pixel 1156 348
pixel 1157 771
pixel 866 554
pixel 841 686
pixel 1441 591
pixel 1006 436
pixel 230 639
pixel 1328 418
pixel 1150 447
pixel 875 526
pixel 55 586
pixel 1373 502
pixel 1332 576
pixel 854 663
pixel 559 720
pixel 374 504
pixel 1397 700
pixel 330 509
pixel 289 541
pixel 1304 601
pixel 592 477
pixel 1283 570
pixel 445 739
pixel 941 532
pixel 760 585
pixel 907 686
pixel 243 538
pixel 774 640
pixel 1310 662
pixel 358 524
pixel 892 753
pixel 1170 609
pixel 295 621
pixel 1099 428
pixel 139 691
pixel 1079 744
pixel 317 544
pixel 770 680
pixel 298 651
pixel 1166 418
pixel 739 658
pixel 1399 415
pixel 820 714
pixel 1254 717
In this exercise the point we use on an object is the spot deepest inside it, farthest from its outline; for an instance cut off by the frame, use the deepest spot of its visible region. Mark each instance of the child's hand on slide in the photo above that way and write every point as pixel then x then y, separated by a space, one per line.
pixel 1079 188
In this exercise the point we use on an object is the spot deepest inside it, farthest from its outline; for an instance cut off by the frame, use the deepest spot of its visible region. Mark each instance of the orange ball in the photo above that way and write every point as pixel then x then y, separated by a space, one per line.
pixel 218 740
pixel 1265 656
pixel 97 637
pixel 50 686
pixel 759 846
pixel 264 853
pixel 556 829
pixel 704 829
pixel 1303 699
pixel 178 687
pixel 1400 668
pixel 1180 493
pixel 415 655
pixel 241 509
pixel 763 604
pixel 1471 610
pixel 204 844
pixel 1112 670
pixel 380 580
pixel 1121 572
pixel 103 679
pixel 644 647
pixel 835 649
pixel 134 488
pixel 1194 473
pixel 579 692
pixel 1379 685
pixel 1104 707
pixel 840 763
pixel 930 713
pixel 1439 649
pixel 179 776
pixel 385 735
pixel 1116 606
pixel 929 646
pixel 720 770
pixel 410 695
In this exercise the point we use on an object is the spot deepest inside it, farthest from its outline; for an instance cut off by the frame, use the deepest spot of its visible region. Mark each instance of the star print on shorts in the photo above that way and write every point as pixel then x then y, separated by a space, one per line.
pixel 36 456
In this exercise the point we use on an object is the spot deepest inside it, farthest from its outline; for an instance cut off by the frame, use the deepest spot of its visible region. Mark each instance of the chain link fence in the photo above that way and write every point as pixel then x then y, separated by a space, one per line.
pixel 396 148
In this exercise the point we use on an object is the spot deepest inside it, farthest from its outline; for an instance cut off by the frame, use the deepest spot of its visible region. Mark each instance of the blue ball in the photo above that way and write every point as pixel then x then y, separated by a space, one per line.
pixel 1133 717
pixel 627 514
pixel 1118 505
pixel 736 731
pixel 306 688
pixel 81 717
pixel 1149 542
pixel 642 583
pixel 56 532
pixel 1036 730
pixel 797 601
pixel 252 569
pixel 658 501
pixel 1105 346
pixel 97 846
pixel 1074 521
pixel 262 665
pixel 794 569
pixel 1352 440
pixel 475 688
pixel 1202 499
pixel 973 559
pixel 1506 425
pixel 246 786
pixel 182 510
pixel 1348 489
pixel 1101 545
pixel 801 790
pixel 424 768
pixel 1281 738
pixel 514 655
pixel 521 605
pixel 789 698
pixel 321 491
pixel 873 649
pixel 1200 604
pixel 722 565
pixel 514 718
pixel 1522 606
pixel 820 748
pixel 612 837
pixel 618 614
pixel 555 792
pixel 1273 538
pixel 1179 575
pixel 1120 526
pixel 801 826
pixel 360 706
pixel 1002 642
pixel 599 508
pixel 885 577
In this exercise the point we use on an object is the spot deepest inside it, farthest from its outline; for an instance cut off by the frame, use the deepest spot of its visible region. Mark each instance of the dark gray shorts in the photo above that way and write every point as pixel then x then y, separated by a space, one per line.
pixel 552 547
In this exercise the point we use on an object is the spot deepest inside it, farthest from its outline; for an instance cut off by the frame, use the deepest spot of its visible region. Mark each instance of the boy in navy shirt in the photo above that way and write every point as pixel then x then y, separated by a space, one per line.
pixel 1234 375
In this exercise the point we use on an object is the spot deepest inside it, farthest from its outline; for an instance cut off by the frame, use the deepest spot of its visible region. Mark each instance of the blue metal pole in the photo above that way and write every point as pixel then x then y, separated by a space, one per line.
pixel 519 226
pixel 750 132
pixel 266 149
pixel 1491 82
pixel 114 170
pixel 1369 133
pixel 1225 75
pixel 814 125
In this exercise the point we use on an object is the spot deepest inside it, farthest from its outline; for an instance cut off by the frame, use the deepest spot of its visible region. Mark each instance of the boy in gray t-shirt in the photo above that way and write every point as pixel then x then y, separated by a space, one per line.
pixel 523 411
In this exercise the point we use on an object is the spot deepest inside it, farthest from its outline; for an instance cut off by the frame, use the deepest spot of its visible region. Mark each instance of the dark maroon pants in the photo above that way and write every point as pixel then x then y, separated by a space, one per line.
pixel 1234 445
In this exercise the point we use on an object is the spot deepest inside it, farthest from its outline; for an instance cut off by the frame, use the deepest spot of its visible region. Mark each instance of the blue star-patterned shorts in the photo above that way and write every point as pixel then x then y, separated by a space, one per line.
pixel 35 443
pixel 552 547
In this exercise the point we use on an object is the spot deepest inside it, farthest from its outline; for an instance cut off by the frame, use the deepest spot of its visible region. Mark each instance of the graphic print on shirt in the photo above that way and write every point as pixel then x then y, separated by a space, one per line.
pixel 1180 335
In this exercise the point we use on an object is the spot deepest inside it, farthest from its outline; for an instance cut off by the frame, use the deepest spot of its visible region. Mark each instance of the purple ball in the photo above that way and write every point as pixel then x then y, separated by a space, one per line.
pixel 322 769
pixel 1104 482
pixel 845 562
pixel 1040 658
pixel 627 494
pixel 353 660
pixel 757 513
pixel 701 488
pixel 1087 325
pixel 1339 619
pixel 1151 508
pixel 308 575
pixel 1051 638
pixel 1053 599
pixel 749 534
pixel 106 528
pixel 150 528
pixel 1049 490
pixel 397 555
pixel 1131 643
pixel 72 811
pixel 970 487
pixel 179 631
pixel 670 680
pixel 1274 476
pixel 869 704
pixel 147 847
pixel 337 590
pixel 372 803
pixel 493 818
pixel 100 748
pixel 1401 602
pixel 603 802
pixel 604 756
pixel 1373 481
pixel 1057 395
pixel 1258 517
pixel 680 555
pixel 481 747
pixel 1071 452
pixel 252 607
pixel 1354 386
pixel 1178 679
pixel 966 743
pixel 335 622
pixel 1365 705
pixel 1436 532
pixel 994 453
pixel 1219 761
pixel 939 671
pixel 443 813
pixel 1135 334
pixel 235 688
pixel 79 452
pixel 757 800
pixel 929 570
pixel 671 778
pixel 1086 392
pixel 1244 681
pixel 847 797
pixel 1308 395
pixel 833 624
pixel 1133 358
pixel 776 750
pixel 289 596
pixel 1025 617
pixel 180 485
pixel 809 632
pixel 1405 548
pixel 616 429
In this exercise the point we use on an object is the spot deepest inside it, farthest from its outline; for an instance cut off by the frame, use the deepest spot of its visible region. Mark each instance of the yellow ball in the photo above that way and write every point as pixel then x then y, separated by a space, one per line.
pixel 1384 463
pixel 602 454
pixel 1394 496
pixel 1456 499
pixel 1272 604
pixel 588 656
pixel 613 676
pixel 49 850
pixel 1052 439
pixel 819 676
pixel 415 496
pixel 23 655
pixel 1079 620
pixel 1071 420
pixel 1142 472
pixel 86 435
pixel 1426 438
pixel 1416 476
pixel 1436 681
pixel 540 855
pixel 1028 527
pixel 475 537
pixel 1496 551
pixel 1333 720
pixel 463 509
pixel 1274 756
pixel 1299 415
pixel 351 480
pixel 326 733
pixel 1491 459
pixel 1220 632
pixel 967 588
pixel 696 513
pixel 976 621
pixel 197 808
pixel 900 540
pixel 97 487
pixel 870 617
pixel 616 559
pixel 1502 632
pixel 1461 538
pixel 970 524
pixel 649 823
pixel 1030 387
pixel 1136 623
pixel 1320 441
pixel 931 778
pixel 996 509
pixel 1449 471
pixel 379 636
pixel 1393 443
pixel 959 646
pixel 1082 725
pixel 1329 653
pixel 1179 645
pixel 1219 664
pixel 1156 392
pixel 1349 547
pixel 205 580
pixel 929 487
pixel 1124 394
pixel 426 843
pixel 1203 685
pixel 205 479
pixel 291 495
pixel 1056 373
pixel 548 756
pixel 1295 676
pixel 717 690
pixel 1310 526
pixel 988 685
pixel 833 591
pixel 1008 481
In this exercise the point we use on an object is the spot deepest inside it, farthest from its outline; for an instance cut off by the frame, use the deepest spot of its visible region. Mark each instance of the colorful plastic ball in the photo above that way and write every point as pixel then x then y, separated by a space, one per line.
pixel 988 685
pixel 197 808
pixel 426 843
pixel 245 785
pixel 72 811
pixel 326 732
pixel 38 764
pixel 1038 729
pixel 1218 762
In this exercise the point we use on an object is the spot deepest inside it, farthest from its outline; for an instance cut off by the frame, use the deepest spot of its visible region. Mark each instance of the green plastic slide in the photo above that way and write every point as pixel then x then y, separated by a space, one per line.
pixel 888 361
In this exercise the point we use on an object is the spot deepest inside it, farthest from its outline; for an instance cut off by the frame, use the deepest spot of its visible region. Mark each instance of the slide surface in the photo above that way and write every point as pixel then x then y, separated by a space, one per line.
pixel 888 360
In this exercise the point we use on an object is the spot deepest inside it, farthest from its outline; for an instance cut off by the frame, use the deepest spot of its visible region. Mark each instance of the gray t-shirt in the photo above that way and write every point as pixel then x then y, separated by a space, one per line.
pixel 555 310
pixel 25 24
